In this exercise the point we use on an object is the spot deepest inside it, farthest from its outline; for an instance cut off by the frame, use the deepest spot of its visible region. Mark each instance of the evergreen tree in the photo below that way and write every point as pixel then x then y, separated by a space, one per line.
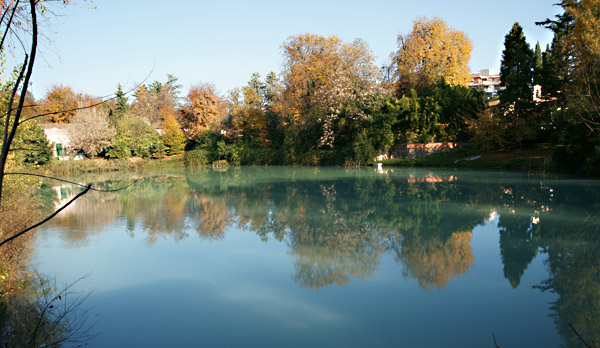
pixel 172 137
pixel 516 76
pixel 538 65
pixel 576 63
pixel 516 70
pixel 38 149
pixel 121 105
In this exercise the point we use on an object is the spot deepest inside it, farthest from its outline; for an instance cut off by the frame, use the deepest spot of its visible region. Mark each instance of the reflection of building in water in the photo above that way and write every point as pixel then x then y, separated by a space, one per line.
pixel 64 193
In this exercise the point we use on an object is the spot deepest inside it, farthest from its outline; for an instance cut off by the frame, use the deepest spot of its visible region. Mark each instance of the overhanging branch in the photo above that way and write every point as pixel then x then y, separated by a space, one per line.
pixel 48 218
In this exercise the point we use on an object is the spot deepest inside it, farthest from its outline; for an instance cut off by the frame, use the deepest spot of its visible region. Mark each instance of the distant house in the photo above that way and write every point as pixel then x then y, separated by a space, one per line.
pixel 486 80
pixel 58 135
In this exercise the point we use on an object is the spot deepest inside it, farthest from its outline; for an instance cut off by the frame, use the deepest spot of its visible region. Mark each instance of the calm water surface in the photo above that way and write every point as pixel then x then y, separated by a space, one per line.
pixel 331 257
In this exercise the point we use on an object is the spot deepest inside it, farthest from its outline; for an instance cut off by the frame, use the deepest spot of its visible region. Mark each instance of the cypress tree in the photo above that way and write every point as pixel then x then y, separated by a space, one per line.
pixel 516 70
pixel 538 65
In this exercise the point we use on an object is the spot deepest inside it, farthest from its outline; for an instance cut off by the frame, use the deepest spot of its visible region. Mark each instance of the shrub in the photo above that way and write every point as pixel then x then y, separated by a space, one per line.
pixel 195 158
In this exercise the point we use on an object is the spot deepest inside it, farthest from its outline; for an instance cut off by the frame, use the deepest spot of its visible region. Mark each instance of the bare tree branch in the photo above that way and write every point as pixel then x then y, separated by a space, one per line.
pixel 9 21
pixel 74 183
pixel 104 100
pixel 579 336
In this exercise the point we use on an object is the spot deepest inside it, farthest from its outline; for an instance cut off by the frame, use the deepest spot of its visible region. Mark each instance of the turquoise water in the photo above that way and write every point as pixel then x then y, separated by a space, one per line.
pixel 332 257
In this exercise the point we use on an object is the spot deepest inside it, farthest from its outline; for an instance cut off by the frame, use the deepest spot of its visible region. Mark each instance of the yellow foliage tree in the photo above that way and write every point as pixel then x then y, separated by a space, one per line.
pixel 172 136
pixel 322 75
pixel 203 109
pixel 430 52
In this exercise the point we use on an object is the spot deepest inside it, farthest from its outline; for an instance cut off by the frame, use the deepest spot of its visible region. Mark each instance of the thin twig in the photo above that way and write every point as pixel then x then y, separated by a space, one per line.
pixel 579 336
pixel 495 343
pixel 72 182
pixel 9 21
pixel 49 217
pixel 104 100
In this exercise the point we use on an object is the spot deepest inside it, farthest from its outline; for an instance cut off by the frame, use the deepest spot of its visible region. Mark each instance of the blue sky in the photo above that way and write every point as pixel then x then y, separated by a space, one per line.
pixel 224 42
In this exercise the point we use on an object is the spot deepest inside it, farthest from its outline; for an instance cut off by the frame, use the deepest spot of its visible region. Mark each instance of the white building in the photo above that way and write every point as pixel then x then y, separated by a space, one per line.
pixel 486 80
pixel 58 135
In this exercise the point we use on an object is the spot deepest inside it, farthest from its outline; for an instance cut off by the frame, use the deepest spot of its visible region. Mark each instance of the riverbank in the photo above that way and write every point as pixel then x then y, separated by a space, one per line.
pixel 101 165
pixel 537 159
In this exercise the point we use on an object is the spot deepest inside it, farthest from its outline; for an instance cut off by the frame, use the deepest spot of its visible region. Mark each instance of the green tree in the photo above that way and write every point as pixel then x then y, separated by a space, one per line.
pixel 172 137
pixel 121 104
pixel 36 147
pixel 134 137
pixel 516 70
pixel 458 105
pixel 516 78
pixel 538 65
pixel 576 67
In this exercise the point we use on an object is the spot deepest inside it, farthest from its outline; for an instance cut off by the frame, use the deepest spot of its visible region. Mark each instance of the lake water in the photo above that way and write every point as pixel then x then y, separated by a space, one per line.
pixel 331 257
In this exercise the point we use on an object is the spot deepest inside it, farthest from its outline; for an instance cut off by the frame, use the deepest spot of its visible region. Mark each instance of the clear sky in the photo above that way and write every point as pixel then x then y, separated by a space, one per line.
pixel 224 42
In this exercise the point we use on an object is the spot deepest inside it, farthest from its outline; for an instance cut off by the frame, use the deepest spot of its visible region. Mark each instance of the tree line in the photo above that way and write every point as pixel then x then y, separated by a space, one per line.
pixel 332 105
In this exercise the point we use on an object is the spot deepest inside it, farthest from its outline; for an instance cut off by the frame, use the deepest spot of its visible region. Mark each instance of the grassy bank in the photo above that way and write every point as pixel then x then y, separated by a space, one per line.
pixel 534 159
pixel 103 165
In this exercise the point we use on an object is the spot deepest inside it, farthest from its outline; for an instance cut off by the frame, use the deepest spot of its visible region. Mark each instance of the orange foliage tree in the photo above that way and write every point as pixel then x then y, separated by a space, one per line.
pixel 322 77
pixel 61 101
pixel 203 109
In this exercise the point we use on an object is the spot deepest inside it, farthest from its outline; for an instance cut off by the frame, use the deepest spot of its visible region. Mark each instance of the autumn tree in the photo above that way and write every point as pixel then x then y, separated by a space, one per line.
pixel 431 52
pixel 91 130
pixel 172 136
pixel 324 77
pixel 203 109
pixel 249 108
pixel 576 65
pixel 60 101
pixel 157 101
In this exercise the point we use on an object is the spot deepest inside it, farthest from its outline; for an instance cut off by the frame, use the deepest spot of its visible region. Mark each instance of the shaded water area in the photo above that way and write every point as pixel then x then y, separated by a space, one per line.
pixel 332 257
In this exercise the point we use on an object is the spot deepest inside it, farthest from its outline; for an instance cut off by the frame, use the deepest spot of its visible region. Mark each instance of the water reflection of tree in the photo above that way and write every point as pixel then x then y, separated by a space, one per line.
pixel 41 315
pixel 564 223
pixel 518 246
pixel 573 249
pixel 210 216
pixel 575 279
pixel 33 312
pixel 434 262
pixel 157 206
pixel 338 223
pixel 337 228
